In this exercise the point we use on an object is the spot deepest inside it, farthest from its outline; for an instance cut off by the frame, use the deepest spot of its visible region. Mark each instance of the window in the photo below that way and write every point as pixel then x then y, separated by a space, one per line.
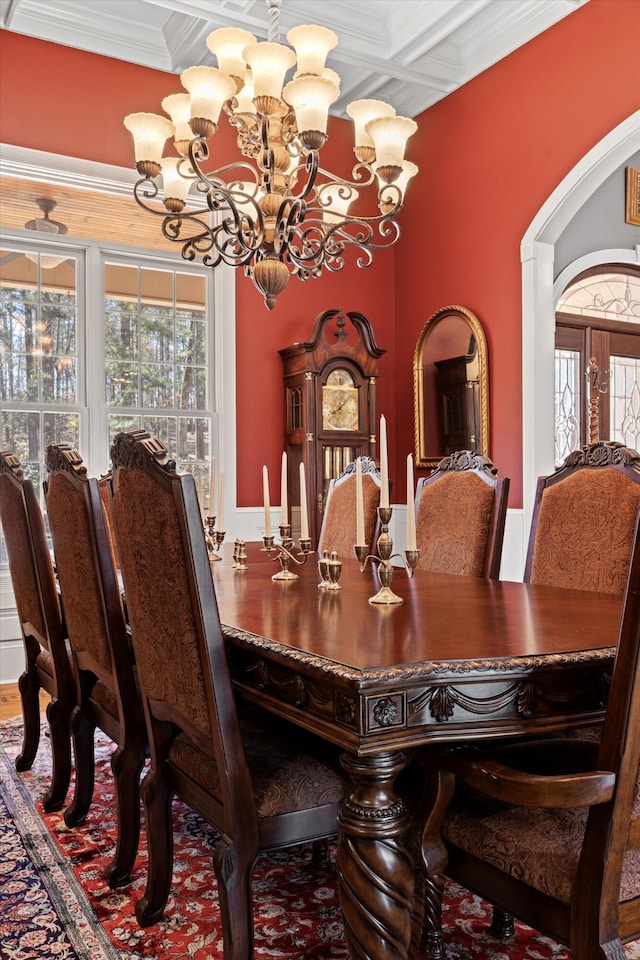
pixel 142 360
pixel 156 351
pixel 40 333
pixel 598 327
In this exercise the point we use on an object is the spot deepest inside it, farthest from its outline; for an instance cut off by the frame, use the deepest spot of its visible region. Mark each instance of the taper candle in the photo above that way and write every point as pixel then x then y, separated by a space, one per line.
pixel 212 486
pixel 284 506
pixel 220 517
pixel 384 464
pixel 360 541
pixel 304 513
pixel 411 506
pixel 267 502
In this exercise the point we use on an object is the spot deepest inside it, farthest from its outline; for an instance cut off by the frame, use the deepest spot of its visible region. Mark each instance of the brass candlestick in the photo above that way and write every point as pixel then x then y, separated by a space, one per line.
pixel 385 555
pixel 213 538
pixel 284 554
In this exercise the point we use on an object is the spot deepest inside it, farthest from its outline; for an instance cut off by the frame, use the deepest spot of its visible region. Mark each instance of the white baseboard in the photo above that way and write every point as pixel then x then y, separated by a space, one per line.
pixel 249 526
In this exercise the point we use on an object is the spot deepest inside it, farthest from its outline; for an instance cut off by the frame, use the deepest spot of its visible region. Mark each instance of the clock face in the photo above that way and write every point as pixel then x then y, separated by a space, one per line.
pixel 340 408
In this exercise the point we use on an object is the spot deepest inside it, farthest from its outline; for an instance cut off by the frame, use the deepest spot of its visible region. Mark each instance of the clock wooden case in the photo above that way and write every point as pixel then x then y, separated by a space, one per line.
pixel 330 406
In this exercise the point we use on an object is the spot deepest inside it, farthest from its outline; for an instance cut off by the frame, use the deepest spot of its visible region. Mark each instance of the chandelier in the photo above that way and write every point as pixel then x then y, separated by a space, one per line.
pixel 277 212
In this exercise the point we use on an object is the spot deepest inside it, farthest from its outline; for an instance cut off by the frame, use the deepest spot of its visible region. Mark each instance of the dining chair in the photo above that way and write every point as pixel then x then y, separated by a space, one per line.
pixel 47 660
pixel 338 531
pixel 107 691
pixel 581 536
pixel 550 830
pixel 259 782
pixel 583 520
pixel 460 516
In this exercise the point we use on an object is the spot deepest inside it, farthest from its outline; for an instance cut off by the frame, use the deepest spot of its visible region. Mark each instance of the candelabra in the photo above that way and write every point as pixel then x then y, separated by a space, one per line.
pixel 213 538
pixel 384 558
pixel 330 569
pixel 284 554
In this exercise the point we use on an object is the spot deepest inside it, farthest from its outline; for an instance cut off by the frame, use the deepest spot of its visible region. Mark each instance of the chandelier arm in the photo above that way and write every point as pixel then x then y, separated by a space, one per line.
pixel 312 166
pixel 235 229
pixel 146 189
pixel 212 244
pixel 318 246
pixel 290 215
pixel 363 176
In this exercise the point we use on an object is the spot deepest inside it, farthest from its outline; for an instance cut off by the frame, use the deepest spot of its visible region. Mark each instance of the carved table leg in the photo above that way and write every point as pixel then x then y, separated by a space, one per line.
pixel 375 865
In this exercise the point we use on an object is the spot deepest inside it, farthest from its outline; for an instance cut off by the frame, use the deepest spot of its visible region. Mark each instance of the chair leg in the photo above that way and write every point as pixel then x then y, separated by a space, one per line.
pixel 29 687
pixel 439 789
pixel 58 715
pixel 126 765
pixel 82 730
pixel 320 854
pixel 502 925
pixel 157 799
pixel 233 873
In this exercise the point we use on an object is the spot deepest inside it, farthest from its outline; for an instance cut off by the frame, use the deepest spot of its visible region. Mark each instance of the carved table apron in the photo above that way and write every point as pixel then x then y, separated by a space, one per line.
pixel 460 659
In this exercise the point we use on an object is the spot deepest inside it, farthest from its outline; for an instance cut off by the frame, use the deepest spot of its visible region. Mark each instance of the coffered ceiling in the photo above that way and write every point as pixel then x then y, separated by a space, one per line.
pixel 410 53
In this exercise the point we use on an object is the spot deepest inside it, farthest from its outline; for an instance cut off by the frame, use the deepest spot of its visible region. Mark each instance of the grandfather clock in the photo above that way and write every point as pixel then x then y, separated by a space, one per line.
pixel 330 408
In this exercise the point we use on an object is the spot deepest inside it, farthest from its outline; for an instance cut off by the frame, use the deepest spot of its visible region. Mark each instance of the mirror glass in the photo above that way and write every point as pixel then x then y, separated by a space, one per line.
pixel 450 386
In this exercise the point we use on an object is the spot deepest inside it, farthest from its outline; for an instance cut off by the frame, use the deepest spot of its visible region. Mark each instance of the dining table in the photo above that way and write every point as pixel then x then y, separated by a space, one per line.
pixel 460 659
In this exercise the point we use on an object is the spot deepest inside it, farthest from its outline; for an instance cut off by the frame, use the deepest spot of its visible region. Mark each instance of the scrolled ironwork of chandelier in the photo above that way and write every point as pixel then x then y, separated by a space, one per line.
pixel 276 213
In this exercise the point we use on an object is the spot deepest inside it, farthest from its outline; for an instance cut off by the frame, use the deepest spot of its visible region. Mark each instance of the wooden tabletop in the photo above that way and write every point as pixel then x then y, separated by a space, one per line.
pixel 443 619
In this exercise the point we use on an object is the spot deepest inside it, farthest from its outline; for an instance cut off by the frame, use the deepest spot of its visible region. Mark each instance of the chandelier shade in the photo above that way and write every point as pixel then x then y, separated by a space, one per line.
pixel 274 211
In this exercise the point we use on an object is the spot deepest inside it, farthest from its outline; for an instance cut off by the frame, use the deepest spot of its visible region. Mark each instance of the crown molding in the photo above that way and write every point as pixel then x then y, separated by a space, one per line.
pixel 53 168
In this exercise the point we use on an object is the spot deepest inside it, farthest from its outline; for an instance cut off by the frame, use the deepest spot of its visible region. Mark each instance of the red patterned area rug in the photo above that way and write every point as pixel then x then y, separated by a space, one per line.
pixel 54 904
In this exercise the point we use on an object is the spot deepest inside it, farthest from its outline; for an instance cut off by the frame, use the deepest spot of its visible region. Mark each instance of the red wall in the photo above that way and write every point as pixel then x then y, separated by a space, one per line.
pixel 489 156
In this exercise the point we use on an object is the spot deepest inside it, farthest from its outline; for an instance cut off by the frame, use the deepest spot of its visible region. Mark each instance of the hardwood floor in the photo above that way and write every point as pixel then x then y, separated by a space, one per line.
pixel 10 705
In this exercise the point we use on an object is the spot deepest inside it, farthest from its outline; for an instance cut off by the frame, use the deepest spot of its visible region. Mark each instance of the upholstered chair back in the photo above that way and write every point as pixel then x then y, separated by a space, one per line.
pixel 460 516
pixel 173 614
pixel 338 530
pixel 74 548
pixel 584 518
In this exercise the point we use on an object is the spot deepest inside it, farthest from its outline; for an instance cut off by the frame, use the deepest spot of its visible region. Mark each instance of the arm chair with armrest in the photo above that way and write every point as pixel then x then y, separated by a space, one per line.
pixel 460 516
pixel 338 531
pixel 107 691
pixel 550 830
pixel 258 785
pixel 47 659
pixel 581 536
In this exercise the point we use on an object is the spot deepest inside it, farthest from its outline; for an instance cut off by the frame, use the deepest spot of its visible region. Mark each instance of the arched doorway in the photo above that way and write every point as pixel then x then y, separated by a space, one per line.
pixel 540 294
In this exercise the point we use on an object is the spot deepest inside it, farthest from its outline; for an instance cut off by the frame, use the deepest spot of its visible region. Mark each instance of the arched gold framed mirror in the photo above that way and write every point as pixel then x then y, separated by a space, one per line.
pixel 450 386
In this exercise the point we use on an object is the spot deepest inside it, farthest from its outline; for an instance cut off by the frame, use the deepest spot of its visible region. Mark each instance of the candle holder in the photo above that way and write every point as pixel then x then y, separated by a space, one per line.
pixel 284 554
pixel 330 567
pixel 385 555
pixel 240 555
pixel 213 538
